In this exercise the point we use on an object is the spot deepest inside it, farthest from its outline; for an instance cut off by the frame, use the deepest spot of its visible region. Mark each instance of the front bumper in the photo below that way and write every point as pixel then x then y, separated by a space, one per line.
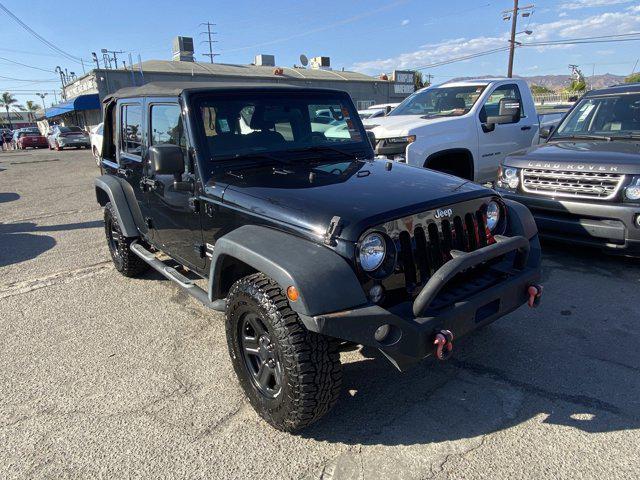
pixel 412 326
pixel 612 226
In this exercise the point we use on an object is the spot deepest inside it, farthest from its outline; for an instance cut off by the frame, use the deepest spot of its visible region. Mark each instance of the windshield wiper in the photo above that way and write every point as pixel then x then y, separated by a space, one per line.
pixel 243 162
pixel 584 137
pixel 630 136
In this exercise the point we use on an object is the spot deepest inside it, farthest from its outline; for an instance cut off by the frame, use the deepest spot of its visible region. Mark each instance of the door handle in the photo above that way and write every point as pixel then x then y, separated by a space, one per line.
pixel 526 127
pixel 125 172
pixel 147 184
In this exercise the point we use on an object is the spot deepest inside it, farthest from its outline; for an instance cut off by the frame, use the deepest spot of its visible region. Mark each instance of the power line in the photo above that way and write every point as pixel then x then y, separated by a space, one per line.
pixel 620 36
pixel 40 37
pixel 210 41
pixel 26 80
pixel 462 58
pixel 25 65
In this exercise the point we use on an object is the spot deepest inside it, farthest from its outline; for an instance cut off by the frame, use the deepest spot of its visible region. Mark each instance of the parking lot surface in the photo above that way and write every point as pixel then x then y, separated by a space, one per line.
pixel 105 376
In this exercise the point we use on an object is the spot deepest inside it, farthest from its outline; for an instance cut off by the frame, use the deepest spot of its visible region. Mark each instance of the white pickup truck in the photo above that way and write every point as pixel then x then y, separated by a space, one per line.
pixel 464 128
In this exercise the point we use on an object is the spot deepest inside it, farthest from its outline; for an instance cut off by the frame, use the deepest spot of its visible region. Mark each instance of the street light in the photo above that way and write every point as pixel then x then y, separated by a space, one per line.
pixel 42 95
pixel 95 59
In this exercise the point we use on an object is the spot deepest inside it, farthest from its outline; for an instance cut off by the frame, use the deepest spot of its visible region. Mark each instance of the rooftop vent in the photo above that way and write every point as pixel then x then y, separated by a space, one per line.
pixel 321 63
pixel 183 49
pixel 265 60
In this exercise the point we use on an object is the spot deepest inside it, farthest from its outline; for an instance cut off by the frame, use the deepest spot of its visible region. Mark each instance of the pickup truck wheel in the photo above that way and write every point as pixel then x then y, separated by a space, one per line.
pixel 291 376
pixel 125 261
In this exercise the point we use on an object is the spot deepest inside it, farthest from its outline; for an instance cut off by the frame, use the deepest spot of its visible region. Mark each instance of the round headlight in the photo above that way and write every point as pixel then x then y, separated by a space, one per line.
pixel 511 177
pixel 493 215
pixel 632 192
pixel 510 173
pixel 372 252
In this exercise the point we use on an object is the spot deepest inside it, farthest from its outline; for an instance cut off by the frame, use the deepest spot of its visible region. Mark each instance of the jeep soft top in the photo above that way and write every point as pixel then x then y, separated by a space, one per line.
pixel 307 243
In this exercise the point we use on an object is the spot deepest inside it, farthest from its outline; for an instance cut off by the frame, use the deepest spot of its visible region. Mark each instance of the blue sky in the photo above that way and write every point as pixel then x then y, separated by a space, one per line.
pixel 371 36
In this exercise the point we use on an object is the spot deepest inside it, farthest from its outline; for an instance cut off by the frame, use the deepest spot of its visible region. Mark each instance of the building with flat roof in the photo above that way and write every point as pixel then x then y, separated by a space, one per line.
pixel 98 83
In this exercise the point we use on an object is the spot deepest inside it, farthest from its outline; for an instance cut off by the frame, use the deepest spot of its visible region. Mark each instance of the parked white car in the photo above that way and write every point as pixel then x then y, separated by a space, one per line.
pixel 96 142
pixel 375 111
pixel 463 128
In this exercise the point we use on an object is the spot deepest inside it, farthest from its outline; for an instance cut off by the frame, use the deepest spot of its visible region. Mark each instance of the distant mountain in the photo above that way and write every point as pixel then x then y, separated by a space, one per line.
pixel 559 82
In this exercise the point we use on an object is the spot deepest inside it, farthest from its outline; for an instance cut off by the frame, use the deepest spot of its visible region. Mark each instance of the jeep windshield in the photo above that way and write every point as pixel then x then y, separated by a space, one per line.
pixel 440 101
pixel 270 126
pixel 610 117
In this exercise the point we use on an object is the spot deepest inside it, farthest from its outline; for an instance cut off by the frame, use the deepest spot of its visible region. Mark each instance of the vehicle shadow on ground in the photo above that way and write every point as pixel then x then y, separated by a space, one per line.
pixel 560 368
pixel 8 197
pixel 18 242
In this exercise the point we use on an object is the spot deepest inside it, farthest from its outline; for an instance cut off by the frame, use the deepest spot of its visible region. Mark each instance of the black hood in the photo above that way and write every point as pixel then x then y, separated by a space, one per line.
pixel 362 193
pixel 617 156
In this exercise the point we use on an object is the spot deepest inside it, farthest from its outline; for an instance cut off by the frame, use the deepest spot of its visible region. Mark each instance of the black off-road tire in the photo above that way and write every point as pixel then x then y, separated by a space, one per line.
pixel 308 363
pixel 125 261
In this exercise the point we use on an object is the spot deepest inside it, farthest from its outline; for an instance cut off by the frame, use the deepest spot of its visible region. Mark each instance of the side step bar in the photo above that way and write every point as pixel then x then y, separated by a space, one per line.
pixel 172 274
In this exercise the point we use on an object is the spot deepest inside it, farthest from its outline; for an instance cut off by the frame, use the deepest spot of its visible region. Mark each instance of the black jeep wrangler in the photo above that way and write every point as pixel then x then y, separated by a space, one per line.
pixel 308 243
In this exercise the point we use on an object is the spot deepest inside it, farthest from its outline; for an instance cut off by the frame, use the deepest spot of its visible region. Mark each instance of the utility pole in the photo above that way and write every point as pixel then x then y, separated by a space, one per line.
pixel 512 41
pixel 209 41
pixel 513 16
pixel 429 77
pixel 105 54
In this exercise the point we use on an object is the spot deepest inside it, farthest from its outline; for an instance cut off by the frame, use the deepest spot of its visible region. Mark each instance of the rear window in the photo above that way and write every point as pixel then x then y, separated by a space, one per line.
pixel 70 129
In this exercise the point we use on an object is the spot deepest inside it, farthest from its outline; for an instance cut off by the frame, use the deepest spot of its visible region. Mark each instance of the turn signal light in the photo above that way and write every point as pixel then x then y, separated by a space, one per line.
pixel 292 293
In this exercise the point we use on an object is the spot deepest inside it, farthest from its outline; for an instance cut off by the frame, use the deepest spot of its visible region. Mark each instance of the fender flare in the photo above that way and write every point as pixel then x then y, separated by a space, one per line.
pixel 121 195
pixel 520 220
pixel 325 281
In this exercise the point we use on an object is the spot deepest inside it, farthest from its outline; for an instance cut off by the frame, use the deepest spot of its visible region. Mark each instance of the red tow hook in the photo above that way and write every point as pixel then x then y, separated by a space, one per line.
pixel 535 293
pixel 444 344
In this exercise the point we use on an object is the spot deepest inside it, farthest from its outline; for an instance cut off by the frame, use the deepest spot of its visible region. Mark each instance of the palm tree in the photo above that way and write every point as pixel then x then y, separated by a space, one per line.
pixel 31 107
pixel 8 101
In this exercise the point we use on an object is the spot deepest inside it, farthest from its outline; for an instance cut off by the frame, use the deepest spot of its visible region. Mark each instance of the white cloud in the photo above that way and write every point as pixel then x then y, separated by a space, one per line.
pixel 430 53
pixel 577 4
pixel 563 14
pixel 634 9
pixel 602 24
pixel 405 22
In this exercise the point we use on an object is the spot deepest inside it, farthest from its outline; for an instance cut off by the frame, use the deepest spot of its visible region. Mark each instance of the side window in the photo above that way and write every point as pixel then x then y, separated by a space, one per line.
pixel 166 125
pixel 492 105
pixel 131 129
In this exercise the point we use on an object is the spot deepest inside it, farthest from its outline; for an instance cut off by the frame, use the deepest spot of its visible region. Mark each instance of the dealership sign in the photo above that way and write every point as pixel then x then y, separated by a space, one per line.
pixel 403 82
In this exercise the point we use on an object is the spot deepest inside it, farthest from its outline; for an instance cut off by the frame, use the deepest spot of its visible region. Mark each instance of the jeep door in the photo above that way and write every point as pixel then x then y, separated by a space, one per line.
pixel 128 146
pixel 174 212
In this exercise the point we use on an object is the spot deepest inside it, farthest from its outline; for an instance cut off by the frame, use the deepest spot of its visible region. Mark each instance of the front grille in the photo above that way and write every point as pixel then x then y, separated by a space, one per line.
pixel 599 185
pixel 425 249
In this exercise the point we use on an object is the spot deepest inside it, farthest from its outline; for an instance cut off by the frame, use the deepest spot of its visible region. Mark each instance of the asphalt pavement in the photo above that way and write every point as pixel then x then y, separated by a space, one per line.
pixel 102 376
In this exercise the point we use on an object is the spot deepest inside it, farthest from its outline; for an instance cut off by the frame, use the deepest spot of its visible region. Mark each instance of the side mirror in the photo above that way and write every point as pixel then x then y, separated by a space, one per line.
pixel 372 138
pixel 167 160
pixel 545 132
pixel 508 112
pixel 387 109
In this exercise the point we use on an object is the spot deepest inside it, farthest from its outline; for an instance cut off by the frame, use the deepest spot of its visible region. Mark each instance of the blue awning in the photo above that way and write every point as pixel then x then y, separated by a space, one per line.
pixel 83 102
